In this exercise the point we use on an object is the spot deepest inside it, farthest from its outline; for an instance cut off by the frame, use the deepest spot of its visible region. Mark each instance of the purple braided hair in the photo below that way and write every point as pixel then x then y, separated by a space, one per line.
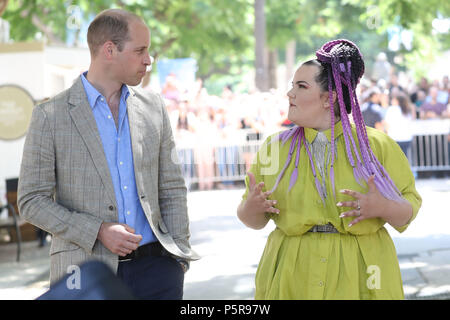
pixel 339 68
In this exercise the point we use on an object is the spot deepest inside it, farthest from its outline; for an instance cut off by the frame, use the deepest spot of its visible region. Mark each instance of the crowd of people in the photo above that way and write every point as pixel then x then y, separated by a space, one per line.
pixel 216 133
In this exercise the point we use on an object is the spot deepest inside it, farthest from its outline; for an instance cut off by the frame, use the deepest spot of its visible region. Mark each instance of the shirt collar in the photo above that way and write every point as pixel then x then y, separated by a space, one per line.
pixel 311 133
pixel 93 94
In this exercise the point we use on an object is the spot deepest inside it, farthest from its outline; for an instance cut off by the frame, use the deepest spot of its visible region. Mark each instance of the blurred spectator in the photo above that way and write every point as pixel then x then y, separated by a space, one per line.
pixel 424 85
pixel 394 87
pixel 171 89
pixel 227 93
pixel 421 97
pixel 443 93
pixel 398 122
pixel 381 68
pixel 205 138
pixel 433 108
pixel 445 84
pixel 372 111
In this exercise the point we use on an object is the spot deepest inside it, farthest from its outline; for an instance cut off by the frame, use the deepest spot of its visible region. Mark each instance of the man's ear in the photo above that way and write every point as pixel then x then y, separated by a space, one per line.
pixel 108 49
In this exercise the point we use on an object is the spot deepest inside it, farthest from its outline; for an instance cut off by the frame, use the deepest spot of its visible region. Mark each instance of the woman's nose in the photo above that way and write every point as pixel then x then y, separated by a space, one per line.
pixel 290 94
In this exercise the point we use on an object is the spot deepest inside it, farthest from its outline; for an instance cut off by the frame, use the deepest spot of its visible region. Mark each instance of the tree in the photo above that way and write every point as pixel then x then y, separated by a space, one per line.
pixel 261 65
pixel 416 16
pixel 214 32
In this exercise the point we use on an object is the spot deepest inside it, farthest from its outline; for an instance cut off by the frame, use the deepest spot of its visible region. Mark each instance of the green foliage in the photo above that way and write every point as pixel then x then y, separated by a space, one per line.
pixel 217 33
pixel 220 35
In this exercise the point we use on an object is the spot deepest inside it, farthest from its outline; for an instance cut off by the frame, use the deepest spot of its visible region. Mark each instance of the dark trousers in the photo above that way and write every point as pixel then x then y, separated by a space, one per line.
pixel 153 277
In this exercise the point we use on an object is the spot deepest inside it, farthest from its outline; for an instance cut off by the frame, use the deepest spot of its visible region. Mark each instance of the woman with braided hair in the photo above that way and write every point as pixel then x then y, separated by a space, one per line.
pixel 330 186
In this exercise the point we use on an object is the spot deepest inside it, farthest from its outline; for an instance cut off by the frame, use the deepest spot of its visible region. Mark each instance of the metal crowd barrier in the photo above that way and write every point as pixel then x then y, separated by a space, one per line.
pixel 430 151
pixel 230 162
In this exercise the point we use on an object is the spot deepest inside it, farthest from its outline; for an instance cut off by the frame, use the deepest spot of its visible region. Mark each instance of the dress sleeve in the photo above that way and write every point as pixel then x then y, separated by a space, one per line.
pixel 397 165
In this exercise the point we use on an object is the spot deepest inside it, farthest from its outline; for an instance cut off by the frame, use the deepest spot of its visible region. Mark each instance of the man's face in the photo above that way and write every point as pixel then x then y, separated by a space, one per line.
pixel 134 58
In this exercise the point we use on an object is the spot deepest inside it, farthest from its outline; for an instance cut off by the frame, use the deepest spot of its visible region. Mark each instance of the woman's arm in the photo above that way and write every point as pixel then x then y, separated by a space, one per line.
pixel 396 213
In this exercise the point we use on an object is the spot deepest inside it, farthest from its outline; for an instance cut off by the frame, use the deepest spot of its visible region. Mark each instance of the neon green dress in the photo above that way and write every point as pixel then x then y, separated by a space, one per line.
pixel 359 262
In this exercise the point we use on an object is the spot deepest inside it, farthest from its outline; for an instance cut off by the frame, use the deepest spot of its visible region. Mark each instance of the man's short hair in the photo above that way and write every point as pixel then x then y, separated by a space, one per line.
pixel 110 25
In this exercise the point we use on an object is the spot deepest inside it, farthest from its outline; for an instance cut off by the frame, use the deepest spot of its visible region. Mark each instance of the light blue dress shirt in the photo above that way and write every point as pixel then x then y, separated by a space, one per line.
pixel 118 151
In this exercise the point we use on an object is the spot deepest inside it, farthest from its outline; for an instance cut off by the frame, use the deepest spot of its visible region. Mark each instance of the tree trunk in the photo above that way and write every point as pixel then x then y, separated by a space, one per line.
pixel 290 62
pixel 272 69
pixel 261 76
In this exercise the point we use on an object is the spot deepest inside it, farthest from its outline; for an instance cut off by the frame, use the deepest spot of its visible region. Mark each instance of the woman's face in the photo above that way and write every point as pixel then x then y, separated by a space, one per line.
pixel 308 105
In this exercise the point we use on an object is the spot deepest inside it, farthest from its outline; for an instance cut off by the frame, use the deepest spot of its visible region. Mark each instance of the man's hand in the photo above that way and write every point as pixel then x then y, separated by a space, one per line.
pixel 118 238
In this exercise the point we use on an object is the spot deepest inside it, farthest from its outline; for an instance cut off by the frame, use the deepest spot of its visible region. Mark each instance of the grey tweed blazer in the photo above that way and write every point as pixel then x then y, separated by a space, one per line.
pixel 66 189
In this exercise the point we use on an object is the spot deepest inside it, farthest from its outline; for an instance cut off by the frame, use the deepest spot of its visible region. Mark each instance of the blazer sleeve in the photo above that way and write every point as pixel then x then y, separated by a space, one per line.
pixel 36 190
pixel 172 191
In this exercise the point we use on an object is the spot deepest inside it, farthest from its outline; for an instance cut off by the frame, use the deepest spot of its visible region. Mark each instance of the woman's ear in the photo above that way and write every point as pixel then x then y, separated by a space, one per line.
pixel 327 99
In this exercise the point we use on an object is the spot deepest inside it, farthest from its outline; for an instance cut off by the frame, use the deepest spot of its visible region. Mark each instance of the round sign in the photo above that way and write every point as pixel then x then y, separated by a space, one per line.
pixel 16 106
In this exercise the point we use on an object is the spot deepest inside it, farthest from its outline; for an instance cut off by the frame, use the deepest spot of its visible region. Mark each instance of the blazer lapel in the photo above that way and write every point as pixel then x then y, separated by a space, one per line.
pixel 82 116
pixel 136 125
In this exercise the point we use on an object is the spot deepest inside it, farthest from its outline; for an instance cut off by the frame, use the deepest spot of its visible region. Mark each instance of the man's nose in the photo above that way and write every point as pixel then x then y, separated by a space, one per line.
pixel 148 60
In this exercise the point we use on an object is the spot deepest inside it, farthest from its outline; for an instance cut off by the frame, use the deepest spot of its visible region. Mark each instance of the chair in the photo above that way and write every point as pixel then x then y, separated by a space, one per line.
pixel 12 221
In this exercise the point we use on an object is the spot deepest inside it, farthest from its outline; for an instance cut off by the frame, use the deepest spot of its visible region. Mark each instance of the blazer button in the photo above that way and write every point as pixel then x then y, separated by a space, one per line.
pixel 111 208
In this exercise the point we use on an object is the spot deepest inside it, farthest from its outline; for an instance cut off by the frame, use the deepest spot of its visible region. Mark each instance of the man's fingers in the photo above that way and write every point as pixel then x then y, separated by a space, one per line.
pixel 134 238
pixel 122 252
pixel 129 245
pixel 128 228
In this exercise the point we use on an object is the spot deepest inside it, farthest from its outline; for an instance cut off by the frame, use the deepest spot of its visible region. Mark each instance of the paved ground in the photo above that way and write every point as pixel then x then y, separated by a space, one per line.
pixel 231 251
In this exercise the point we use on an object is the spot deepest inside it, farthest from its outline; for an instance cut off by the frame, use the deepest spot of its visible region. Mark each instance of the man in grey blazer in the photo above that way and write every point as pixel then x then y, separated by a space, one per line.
pixel 100 173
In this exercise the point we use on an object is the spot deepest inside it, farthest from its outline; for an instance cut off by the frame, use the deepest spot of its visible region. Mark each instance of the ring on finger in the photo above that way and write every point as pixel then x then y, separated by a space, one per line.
pixel 358 209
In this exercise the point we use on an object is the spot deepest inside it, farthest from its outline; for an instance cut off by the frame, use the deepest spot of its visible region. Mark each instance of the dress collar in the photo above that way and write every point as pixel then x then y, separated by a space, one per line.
pixel 311 133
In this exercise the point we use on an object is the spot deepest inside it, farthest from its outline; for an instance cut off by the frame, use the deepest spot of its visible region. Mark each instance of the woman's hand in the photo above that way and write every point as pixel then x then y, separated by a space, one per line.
pixel 374 205
pixel 252 211
pixel 257 200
